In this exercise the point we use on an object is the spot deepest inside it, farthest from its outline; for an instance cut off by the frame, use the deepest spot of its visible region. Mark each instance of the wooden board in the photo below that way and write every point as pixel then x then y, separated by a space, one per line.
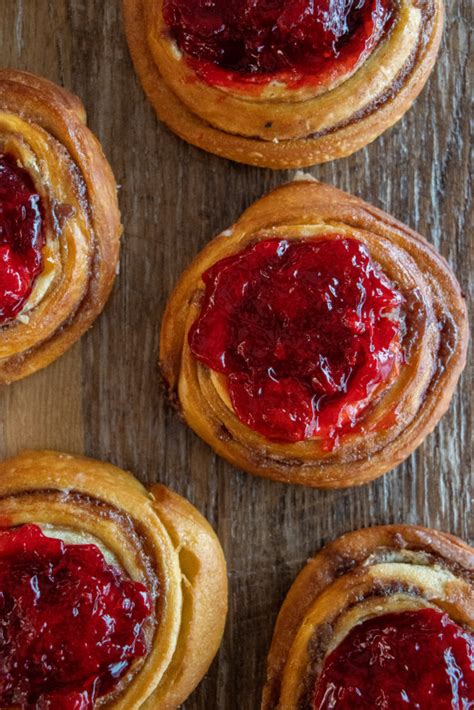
pixel 104 398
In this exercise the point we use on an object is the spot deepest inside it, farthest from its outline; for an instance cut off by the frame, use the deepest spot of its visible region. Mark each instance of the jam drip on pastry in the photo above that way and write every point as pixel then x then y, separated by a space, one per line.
pixel 295 40
pixel 306 333
pixel 413 659
pixel 71 625
pixel 21 237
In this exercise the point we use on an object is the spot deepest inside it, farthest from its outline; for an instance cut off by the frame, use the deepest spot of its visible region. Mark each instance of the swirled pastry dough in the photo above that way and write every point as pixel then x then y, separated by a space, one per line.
pixel 363 576
pixel 387 421
pixel 280 123
pixel 156 538
pixel 43 132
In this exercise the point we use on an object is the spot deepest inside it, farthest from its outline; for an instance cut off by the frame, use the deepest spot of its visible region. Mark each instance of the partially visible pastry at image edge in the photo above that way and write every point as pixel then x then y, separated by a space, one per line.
pixel 284 84
pixel 380 618
pixel 113 596
pixel 59 224
pixel 317 341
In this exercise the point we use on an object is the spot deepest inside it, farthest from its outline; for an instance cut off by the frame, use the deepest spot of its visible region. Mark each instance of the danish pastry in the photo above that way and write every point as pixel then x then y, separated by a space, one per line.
pixel 112 596
pixel 380 618
pixel 317 341
pixel 283 84
pixel 59 224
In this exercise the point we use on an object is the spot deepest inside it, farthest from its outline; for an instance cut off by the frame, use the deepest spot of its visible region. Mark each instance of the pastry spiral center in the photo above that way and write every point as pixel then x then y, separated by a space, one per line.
pixel 306 332
pixel 21 237
pixel 71 625
pixel 413 659
pixel 315 40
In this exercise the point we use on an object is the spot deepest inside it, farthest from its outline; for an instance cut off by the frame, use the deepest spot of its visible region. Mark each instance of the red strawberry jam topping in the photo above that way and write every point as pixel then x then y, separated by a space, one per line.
pixel 413 659
pixel 70 624
pixel 305 332
pixel 21 237
pixel 259 40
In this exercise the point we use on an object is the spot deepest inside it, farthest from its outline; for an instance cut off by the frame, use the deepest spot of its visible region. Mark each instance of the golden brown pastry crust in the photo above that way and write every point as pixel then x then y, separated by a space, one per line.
pixel 158 538
pixel 362 574
pixel 284 128
pixel 43 126
pixel 400 418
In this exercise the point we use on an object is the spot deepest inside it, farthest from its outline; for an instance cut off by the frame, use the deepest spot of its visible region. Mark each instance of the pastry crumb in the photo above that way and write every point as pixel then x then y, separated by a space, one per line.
pixel 301 176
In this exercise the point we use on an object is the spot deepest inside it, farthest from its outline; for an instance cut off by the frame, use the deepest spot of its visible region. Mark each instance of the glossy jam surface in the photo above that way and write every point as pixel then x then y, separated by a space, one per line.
pixel 304 330
pixel 415 660
pixel 260 39
pixel 70 624
pixel 21 237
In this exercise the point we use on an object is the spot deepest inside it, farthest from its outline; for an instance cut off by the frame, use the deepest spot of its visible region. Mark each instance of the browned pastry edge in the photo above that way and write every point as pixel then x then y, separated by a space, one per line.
pixel 203 567
pixel 349 554
pixel 433 376
pixel 155 536
pixel 341 141
pixel 62 115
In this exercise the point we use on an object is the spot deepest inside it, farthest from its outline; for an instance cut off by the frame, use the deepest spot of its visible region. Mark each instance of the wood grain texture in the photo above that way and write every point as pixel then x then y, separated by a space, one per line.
pixel 104 397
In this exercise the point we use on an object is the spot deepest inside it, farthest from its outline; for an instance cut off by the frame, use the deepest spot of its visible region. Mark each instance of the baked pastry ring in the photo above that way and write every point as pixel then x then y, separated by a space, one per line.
pixel 60 224
pixel 368 587
pixel 155 543
pixel 225 89
pixel 221 349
